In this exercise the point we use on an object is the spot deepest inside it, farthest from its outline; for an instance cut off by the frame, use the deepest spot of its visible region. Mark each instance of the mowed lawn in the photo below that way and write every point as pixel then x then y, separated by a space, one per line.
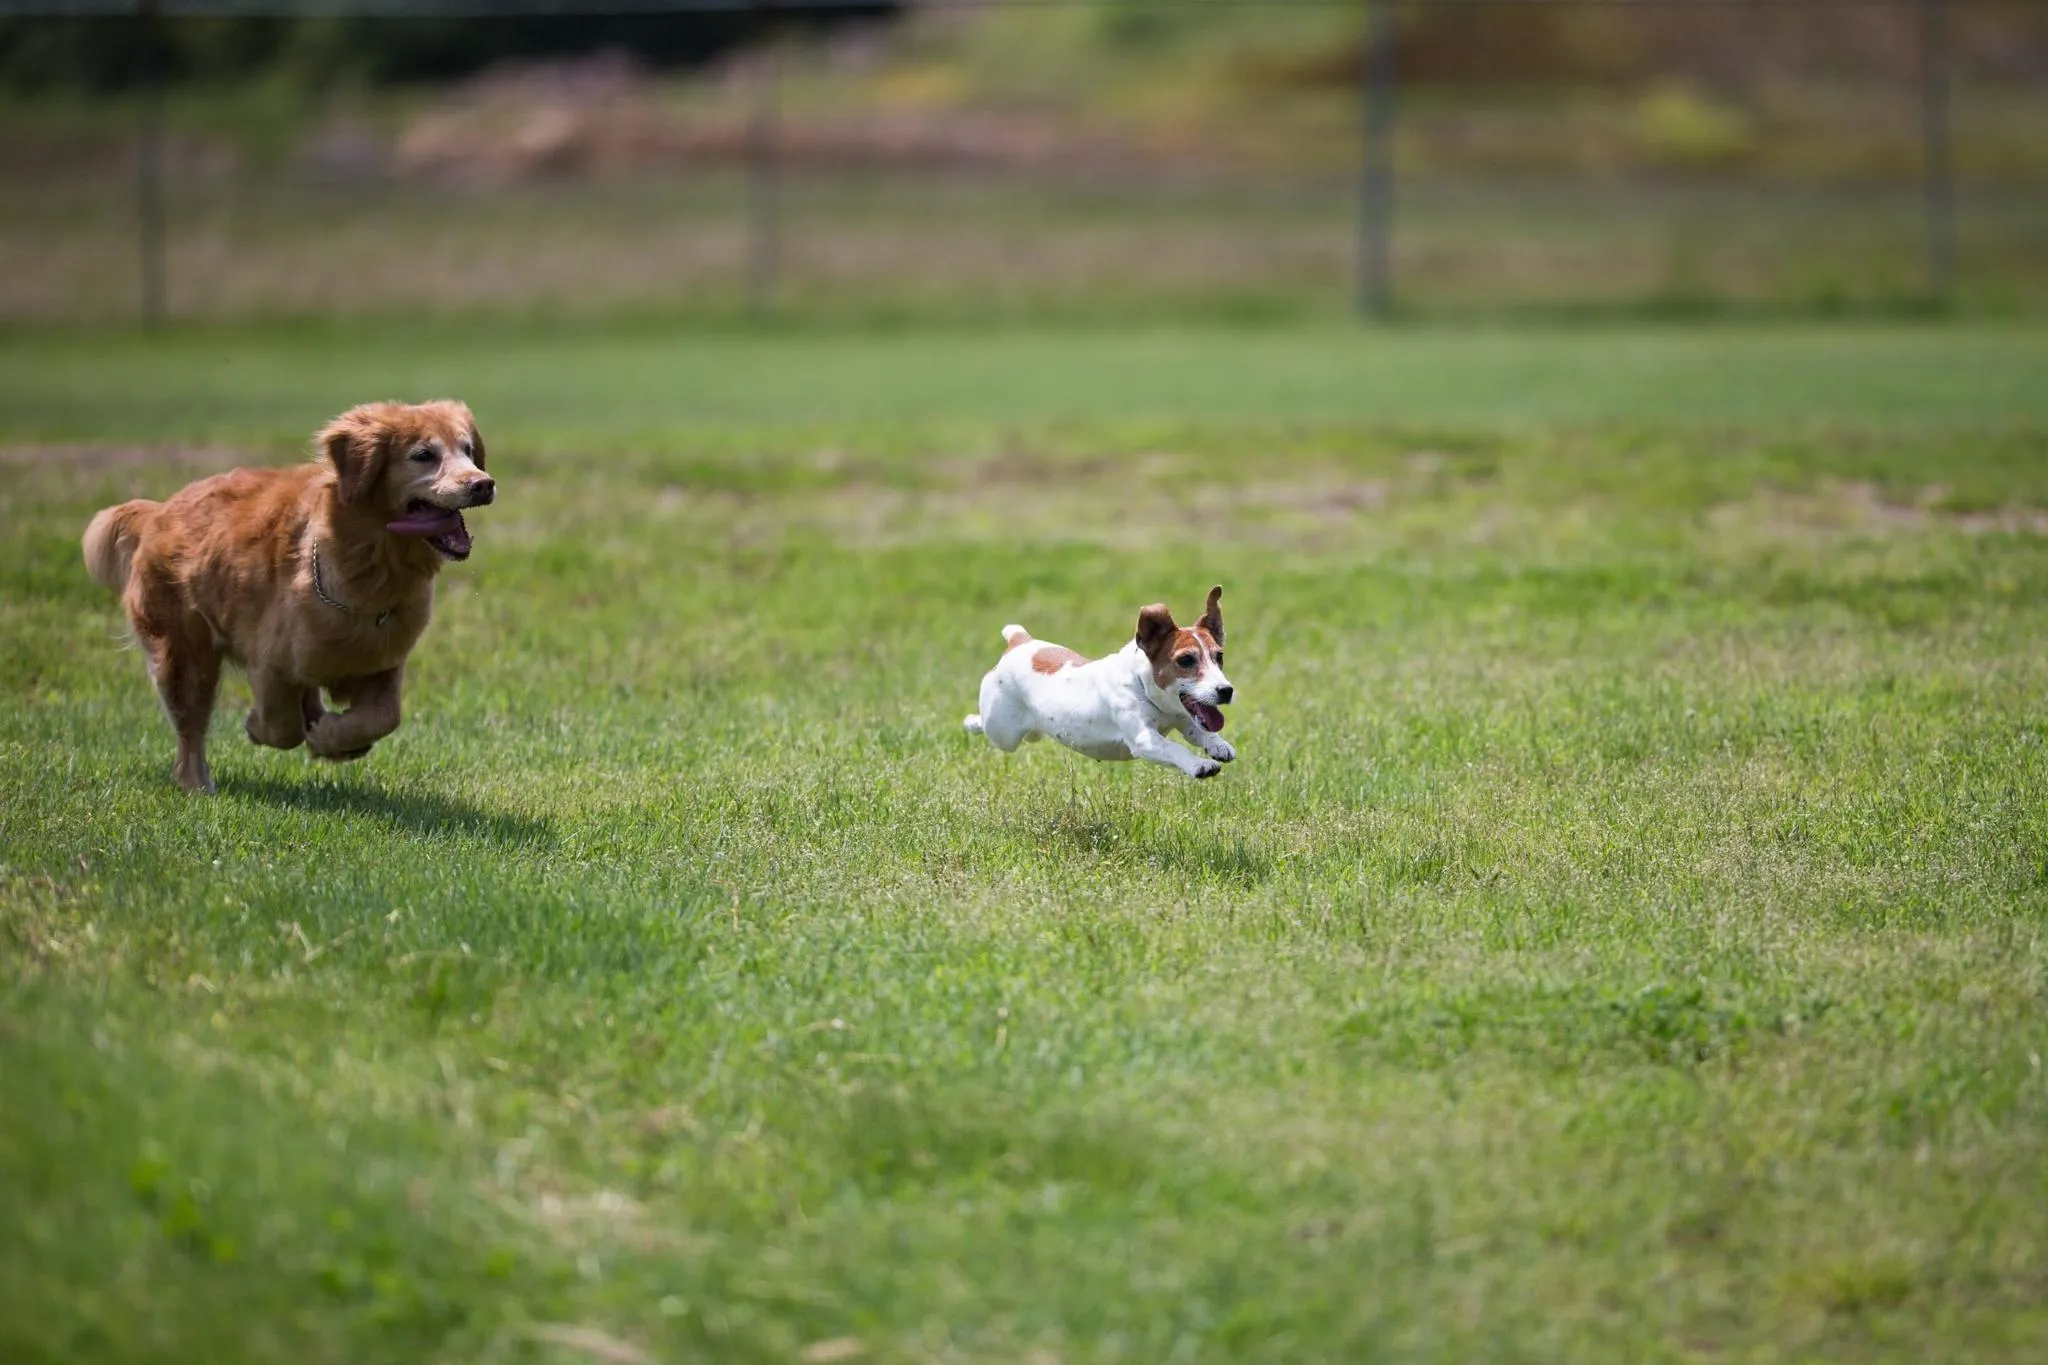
pixel 1620 939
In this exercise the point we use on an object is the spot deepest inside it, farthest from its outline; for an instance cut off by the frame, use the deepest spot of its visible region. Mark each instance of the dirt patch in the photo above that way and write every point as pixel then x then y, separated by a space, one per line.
pixel 605 117
pixel 590 1220
pixel 1121 501
pixel 492 143
pixel 1859 507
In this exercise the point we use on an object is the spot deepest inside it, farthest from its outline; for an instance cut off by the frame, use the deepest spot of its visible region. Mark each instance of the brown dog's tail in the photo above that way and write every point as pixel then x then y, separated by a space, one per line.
pixel 110 540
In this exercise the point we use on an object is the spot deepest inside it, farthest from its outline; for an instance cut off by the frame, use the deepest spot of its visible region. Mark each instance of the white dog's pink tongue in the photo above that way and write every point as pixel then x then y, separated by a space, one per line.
pixel 426 521
pixel 1206 716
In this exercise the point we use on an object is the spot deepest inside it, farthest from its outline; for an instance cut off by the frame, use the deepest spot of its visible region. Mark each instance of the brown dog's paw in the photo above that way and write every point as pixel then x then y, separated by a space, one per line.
pixel 318 741
pixel 272 736
pixel 339 755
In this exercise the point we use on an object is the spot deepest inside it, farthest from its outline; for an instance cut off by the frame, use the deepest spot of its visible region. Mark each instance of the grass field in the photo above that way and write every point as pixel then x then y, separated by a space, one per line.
pixel 1621 938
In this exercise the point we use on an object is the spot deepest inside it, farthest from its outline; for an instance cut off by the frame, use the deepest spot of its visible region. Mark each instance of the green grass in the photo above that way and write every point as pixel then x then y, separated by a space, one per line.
pixel 1621 938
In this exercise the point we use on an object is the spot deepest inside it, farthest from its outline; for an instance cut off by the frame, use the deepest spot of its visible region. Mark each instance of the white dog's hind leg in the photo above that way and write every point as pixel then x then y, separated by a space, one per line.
pixel 1003 724
pixel 972 725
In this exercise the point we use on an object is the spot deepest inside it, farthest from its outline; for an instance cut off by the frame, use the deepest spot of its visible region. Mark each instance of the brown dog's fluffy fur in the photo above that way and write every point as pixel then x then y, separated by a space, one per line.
pixel 297 576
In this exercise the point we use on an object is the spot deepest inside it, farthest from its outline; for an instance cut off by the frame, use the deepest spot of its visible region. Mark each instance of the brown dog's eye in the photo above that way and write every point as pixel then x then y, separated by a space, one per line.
pixel 1219 658
pixel 1186 661
pixel 424 454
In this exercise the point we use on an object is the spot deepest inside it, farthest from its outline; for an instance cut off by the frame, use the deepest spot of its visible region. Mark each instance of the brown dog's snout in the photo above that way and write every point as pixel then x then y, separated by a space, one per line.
pixel 484 490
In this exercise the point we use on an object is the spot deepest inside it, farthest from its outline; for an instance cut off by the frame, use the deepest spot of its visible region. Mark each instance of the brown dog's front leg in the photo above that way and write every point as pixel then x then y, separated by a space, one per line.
pixel 280 716
pixel 372 713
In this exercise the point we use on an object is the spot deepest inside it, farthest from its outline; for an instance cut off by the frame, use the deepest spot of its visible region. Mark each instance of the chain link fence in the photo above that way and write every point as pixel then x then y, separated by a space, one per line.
pixel 981 159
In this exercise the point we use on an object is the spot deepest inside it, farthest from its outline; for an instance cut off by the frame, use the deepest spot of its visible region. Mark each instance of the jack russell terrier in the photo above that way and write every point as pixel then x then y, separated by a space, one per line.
pixel 1121 707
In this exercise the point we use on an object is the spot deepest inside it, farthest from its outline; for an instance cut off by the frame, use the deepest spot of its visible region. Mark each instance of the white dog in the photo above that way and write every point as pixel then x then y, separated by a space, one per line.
pixel 1121 707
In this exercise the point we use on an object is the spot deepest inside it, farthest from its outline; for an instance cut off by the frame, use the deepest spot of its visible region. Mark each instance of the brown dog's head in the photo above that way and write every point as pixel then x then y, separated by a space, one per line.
pixel 415 464
pixel 1187 663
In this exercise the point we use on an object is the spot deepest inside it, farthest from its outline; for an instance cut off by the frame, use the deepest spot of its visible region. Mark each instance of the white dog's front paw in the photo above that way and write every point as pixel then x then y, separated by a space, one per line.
pixel 1205 768
pixel 1218 748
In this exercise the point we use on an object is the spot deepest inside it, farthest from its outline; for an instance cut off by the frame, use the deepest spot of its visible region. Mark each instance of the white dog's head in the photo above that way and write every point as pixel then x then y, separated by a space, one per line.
pixel 1187 663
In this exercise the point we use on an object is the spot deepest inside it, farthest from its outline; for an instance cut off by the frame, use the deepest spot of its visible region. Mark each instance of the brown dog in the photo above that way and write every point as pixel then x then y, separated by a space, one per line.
pixel 316 577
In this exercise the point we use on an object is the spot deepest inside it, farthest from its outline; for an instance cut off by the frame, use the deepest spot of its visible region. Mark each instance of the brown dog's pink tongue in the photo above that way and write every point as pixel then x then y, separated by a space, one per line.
pixel 425 521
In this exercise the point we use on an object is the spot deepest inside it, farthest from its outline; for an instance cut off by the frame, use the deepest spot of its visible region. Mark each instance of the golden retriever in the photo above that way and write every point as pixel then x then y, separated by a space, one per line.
pixel 309 578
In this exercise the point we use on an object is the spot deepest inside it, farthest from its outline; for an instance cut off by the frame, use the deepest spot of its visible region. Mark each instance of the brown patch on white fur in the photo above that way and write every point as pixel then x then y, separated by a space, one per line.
pixel 1053 658
pixel 1155 629
pixel 1167 670
pixel 1212 615
pixel 225 571
pixel 1165 643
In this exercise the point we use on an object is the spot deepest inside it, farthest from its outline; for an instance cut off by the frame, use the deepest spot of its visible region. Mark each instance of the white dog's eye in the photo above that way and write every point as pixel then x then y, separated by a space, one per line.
pixel 1186 661
pixel 424 454
pixel 1219 658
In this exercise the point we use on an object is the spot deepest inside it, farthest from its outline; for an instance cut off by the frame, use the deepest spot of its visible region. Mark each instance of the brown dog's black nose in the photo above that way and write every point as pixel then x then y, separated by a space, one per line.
pixel 1225 693
pixel 483 491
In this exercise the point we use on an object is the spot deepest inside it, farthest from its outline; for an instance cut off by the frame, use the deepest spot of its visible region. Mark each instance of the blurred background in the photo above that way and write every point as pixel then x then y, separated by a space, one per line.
pixel 1069 159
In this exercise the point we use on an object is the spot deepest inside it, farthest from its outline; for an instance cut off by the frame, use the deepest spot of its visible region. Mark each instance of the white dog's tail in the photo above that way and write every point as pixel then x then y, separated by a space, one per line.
pixel 972 725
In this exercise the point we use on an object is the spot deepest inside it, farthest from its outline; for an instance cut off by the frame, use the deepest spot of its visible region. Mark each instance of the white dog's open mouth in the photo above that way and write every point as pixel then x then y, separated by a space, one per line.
pixel 441 527
pixel 1209 717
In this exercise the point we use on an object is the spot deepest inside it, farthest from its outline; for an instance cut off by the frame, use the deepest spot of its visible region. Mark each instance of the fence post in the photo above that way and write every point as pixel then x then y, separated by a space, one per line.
pixel 1937 163
pixel 1376 168
pixel 149 164
pixel 764 227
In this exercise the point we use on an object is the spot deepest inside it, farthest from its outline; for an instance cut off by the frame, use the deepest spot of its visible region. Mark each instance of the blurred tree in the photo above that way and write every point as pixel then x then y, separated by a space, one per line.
pixel 108 54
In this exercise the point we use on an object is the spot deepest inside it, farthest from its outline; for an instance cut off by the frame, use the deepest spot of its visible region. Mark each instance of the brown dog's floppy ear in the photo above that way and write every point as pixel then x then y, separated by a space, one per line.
pixel 1155 628
pixel 1212 615
pixel 355 443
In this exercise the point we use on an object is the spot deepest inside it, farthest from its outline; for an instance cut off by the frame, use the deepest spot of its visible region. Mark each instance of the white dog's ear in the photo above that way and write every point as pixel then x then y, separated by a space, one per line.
pixel 1155 628
pixel 356 444
pixel 1212 615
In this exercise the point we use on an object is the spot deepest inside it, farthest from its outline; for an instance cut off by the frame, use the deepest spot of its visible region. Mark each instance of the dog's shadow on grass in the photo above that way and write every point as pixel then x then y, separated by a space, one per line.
pixel 416 812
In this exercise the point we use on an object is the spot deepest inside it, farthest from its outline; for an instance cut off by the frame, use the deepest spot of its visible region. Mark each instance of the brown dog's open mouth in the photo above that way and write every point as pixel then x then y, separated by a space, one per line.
pixel 441 527
pixel 1209 717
